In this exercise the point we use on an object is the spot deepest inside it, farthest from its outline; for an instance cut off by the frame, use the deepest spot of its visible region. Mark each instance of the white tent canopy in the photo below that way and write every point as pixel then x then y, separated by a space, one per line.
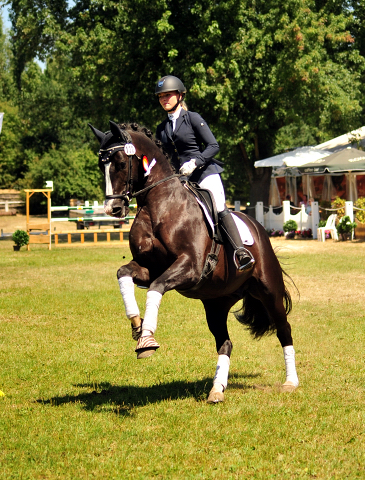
pixel 295 158
pixel 343 141
pixel 302 155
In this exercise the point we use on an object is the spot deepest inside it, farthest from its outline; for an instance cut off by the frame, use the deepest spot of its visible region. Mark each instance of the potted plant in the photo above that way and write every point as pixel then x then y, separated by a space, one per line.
pixel 20 238
pixel 290 227
pixel 345 227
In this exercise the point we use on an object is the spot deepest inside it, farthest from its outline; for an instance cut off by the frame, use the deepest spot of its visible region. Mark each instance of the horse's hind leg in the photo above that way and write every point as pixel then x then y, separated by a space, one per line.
pixel 275 311
pixel 216 313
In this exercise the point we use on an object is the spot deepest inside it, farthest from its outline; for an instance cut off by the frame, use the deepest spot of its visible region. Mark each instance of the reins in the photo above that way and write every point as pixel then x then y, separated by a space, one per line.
pixel 156 183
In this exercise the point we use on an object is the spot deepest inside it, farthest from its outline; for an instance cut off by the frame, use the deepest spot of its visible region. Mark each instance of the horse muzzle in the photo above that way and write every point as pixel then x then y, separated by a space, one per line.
pixel 116 208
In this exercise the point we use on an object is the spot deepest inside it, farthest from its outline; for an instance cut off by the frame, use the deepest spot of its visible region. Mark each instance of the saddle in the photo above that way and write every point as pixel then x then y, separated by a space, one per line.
pixel 206 200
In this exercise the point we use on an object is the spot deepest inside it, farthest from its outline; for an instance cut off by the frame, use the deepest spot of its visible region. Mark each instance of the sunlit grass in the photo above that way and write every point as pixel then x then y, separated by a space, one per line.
pixel 79 405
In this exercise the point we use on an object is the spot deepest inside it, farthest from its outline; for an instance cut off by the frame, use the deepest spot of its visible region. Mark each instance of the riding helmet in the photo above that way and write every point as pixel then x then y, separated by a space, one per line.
pixel 169 83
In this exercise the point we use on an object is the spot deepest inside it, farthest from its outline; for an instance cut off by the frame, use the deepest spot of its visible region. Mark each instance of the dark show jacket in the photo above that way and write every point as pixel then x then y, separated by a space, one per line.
pixel 186 142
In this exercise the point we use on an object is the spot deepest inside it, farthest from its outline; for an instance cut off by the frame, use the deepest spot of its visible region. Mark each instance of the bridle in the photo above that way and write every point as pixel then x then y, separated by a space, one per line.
pixel 105 156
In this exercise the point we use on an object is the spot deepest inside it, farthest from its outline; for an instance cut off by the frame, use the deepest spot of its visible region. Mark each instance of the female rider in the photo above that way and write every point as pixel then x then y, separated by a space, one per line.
pixel 184 133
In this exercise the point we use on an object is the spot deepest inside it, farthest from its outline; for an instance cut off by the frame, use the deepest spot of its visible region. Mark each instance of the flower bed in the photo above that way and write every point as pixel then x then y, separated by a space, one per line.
pixel 275 233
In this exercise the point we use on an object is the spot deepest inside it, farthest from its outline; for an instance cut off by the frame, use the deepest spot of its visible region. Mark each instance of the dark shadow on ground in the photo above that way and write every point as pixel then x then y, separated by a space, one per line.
pixel 123 399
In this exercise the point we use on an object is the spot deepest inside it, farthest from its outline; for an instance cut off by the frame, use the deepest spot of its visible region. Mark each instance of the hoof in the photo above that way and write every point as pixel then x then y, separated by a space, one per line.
pixel 146 347
pixel 288 387
pixel 215 395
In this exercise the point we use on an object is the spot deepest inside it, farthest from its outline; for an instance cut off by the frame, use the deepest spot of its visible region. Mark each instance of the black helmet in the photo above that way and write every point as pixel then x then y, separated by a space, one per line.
pixel 169 83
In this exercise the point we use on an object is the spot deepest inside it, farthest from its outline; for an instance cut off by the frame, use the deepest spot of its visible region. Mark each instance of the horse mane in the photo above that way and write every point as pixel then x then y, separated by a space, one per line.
pixel 135 127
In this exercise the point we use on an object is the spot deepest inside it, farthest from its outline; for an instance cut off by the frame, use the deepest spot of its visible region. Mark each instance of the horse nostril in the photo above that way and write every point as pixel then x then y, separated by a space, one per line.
pixel 116 211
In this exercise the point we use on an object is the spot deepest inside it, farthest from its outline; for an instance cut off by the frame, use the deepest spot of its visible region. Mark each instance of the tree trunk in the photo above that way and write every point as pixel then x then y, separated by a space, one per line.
pixel 259 179
pixel 260 186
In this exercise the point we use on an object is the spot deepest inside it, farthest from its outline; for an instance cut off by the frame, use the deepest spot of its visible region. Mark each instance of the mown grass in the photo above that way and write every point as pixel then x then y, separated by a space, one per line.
pixel 78 405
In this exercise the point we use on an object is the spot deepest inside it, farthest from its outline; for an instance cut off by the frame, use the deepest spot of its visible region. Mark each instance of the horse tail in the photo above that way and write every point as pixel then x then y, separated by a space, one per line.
pixel 254 316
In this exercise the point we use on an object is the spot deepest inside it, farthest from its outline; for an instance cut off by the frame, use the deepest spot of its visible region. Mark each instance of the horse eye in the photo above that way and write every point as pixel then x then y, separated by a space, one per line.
pixel 119 166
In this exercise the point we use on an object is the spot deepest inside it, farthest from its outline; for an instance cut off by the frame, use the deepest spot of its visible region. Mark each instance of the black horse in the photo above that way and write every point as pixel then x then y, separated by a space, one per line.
pixel 170 244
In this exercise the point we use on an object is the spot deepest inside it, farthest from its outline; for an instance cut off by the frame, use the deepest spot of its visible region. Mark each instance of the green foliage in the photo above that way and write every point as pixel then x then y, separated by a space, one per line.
pixel 266 76
pixel 345 225
pixel 360 214
pixel 75 173
pixel 20 238
pixel 339 203
pixel 7 85
pixel 322 223
pixel 290 226
pixel 12 160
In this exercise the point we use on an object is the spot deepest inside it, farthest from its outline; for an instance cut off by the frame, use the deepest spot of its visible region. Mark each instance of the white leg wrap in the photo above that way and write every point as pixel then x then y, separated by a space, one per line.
pixel 221 373
pixel 126 286
pixel 150 318
pixel 291 373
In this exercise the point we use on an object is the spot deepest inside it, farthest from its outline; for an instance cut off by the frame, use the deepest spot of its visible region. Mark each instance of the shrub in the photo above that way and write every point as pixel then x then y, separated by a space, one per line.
pixel 20 238
pixel 360 214
pixel 340 204
pixel 290 226
pixel 345 225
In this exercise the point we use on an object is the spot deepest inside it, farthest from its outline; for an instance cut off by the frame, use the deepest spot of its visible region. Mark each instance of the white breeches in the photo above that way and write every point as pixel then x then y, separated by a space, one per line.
pixel 215 185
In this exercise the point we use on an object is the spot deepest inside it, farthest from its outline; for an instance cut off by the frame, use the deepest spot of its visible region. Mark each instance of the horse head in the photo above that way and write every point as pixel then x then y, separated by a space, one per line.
pixel 124 158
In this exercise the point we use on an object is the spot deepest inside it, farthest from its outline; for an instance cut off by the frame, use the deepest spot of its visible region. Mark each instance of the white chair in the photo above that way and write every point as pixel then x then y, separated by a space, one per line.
pixel 330 226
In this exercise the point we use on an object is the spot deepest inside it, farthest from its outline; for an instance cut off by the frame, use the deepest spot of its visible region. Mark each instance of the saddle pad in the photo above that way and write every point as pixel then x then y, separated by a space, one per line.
pixel 243 229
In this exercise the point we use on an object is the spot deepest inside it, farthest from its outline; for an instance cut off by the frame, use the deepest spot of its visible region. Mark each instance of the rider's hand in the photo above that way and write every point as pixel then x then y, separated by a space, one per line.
pixel 188 167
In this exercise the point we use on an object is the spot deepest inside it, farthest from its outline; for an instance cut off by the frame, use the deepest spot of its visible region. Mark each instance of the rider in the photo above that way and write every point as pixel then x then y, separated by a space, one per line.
pixel 183 133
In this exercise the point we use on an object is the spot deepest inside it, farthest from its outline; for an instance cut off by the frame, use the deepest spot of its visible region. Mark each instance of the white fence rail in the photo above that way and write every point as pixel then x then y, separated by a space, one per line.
pixel 271 220
pixel 18 203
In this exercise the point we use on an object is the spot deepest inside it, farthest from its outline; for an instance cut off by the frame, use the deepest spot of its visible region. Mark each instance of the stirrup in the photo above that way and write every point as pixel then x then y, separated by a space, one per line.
pixel 250 262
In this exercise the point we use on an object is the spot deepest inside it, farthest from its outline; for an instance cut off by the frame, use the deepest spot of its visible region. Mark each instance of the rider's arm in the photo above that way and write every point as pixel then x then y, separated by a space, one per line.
pixel 203 135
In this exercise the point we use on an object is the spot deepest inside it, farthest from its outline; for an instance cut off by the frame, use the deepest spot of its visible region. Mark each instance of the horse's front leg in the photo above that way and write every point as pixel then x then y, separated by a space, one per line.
pixel 127 276
pixel 174 277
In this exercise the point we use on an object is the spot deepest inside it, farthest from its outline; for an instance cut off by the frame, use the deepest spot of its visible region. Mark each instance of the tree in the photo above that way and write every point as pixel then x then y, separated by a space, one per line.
pixel 264 74
pixel 74 173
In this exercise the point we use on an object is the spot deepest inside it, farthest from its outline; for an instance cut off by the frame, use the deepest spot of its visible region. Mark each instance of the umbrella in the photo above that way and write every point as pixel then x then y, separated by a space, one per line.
pixel 346 160
pixel 295 158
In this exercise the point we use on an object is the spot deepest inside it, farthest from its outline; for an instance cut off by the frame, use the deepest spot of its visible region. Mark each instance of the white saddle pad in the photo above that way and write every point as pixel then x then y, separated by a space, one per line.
pixel 243 229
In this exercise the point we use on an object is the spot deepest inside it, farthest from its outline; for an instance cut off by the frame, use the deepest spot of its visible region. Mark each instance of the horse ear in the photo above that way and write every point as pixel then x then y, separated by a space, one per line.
pixel 118 132
pixel 98 134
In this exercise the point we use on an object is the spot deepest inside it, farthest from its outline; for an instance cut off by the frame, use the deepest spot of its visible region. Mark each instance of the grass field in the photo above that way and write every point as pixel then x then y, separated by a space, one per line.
pixel 78 405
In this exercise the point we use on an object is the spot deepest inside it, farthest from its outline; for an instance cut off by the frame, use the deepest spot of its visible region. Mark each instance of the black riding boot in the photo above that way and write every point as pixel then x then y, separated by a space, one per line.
pixel 243 259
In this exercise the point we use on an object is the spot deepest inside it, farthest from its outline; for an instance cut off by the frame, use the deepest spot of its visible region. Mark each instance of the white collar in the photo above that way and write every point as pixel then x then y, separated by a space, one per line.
pixel 175 115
